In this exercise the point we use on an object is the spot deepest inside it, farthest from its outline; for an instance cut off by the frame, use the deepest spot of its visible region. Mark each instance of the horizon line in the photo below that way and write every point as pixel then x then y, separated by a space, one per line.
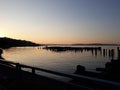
pixel 69 43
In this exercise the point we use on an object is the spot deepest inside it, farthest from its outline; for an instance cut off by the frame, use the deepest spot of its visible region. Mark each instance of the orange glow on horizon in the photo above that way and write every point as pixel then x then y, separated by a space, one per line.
pixel 58 40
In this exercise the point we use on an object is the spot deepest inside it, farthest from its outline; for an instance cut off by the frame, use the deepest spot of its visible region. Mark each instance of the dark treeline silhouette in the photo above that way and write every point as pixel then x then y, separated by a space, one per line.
pixel 75 49
pixel 8 42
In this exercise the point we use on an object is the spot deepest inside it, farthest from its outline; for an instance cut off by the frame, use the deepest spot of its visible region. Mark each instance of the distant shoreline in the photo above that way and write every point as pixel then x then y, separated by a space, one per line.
pixel 86 44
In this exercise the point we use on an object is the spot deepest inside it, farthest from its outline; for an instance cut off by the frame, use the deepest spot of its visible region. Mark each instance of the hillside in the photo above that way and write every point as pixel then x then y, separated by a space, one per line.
pixel 9 42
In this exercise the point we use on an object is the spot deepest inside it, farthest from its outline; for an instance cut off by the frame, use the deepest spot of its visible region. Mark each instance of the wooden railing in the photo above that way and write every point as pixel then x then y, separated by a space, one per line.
pixel 89 80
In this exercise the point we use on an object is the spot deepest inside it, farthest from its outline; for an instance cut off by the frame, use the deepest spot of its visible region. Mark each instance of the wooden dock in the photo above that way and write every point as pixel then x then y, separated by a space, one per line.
pixel 13 77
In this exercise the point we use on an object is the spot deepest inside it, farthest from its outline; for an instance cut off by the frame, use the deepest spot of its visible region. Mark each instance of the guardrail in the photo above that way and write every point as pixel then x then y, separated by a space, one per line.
pixel 88 80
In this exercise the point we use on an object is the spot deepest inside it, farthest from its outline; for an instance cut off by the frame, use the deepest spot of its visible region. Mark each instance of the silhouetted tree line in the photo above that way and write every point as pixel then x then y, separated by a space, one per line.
pixel 8 42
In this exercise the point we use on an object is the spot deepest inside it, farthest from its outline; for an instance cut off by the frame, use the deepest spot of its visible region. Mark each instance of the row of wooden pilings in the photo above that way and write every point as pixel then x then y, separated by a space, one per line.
pixel 111 52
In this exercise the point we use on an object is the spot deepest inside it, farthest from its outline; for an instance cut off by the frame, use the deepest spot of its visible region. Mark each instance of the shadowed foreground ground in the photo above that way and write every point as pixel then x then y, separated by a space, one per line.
pixel 11 79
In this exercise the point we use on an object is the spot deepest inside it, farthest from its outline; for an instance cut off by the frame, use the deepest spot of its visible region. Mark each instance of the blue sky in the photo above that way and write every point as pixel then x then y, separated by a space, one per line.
pixel 61 21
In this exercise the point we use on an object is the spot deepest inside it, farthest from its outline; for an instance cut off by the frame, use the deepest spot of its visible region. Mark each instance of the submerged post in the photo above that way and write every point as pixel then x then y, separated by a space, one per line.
pixel 112 53
pixel 33 70
pixel 18 67
pixel 104 52
pixel 118 50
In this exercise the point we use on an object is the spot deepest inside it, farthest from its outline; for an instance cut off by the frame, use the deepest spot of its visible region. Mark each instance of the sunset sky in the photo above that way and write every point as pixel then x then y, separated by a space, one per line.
pixel 61 21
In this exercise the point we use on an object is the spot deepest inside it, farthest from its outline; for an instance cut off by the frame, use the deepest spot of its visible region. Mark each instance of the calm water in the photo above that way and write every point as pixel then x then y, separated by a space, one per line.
pixel 58 61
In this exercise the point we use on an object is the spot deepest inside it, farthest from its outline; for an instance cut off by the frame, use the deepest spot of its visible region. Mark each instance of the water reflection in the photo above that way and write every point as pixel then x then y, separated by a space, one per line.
pixel 62 60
